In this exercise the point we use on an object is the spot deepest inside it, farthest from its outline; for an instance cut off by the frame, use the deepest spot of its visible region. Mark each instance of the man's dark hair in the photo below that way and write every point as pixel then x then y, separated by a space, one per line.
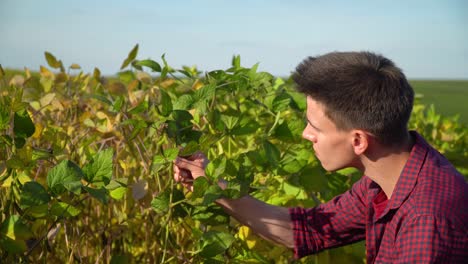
pixel 359 90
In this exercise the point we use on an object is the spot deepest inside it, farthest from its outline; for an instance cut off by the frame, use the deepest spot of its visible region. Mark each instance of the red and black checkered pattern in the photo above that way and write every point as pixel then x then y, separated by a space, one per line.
pixel 425 221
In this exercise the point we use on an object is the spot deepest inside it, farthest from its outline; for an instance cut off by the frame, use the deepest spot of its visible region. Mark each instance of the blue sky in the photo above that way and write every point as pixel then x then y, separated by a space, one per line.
pixel 427 39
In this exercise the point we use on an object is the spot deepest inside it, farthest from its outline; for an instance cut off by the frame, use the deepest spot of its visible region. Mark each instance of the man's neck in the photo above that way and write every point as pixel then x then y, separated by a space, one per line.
pixel 384 166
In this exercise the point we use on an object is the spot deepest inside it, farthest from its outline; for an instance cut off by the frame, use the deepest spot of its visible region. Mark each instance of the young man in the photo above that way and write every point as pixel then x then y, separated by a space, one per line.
pixel 410 206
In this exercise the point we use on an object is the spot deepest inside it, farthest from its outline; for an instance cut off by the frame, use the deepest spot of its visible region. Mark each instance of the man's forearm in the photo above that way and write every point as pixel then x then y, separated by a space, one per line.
pixel 268 221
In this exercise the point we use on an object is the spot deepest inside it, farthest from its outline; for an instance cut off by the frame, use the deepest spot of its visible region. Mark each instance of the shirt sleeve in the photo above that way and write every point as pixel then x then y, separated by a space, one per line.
pixel 431 239
pixel 338 222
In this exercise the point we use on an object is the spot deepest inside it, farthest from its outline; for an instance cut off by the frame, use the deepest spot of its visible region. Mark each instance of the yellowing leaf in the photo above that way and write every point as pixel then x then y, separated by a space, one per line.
pixel 117 88
pixel 97 74
pixel 23 178
pixel 61 77
pixel 88 122
pixel 17 80
pixel 197 85
pixel 35 105
pixel 47 99
pixel 38 130
pixel 57 105
pixel 143 77
pixel 136 97
pixel 166 83
pixel 133 85
pixel 84 116
pixel 245 234
pixel 52 61
pixel 70 130
pixel 46 83
pixel 28 73
pixel 101 115
pixel 75 66
pixel 123 165
pixel 46 73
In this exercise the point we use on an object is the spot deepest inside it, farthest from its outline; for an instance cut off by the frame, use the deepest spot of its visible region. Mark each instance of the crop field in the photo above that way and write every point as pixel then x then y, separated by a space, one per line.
pixel 86 171
pixel 449 97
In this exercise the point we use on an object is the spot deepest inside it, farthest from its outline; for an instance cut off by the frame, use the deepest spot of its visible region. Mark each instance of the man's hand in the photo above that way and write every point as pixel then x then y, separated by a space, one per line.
pixel 186 170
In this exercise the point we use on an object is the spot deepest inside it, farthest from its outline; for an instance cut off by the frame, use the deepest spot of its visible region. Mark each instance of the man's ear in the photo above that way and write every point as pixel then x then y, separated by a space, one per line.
pixel 360 141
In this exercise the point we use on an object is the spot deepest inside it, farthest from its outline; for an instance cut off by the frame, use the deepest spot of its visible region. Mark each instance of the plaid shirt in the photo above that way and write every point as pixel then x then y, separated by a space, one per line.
pixel 426 219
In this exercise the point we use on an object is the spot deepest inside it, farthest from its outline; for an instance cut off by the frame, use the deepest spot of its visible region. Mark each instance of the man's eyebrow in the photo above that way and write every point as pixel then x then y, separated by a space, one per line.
pixel 312 125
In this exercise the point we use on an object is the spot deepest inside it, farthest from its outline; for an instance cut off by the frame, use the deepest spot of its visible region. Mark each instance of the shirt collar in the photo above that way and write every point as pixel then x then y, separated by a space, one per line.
pixel 408 176
pixel 410 172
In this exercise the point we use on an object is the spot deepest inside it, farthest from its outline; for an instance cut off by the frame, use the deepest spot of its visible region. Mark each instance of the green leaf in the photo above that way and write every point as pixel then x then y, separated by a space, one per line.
pixel 272 153
pixel 97 74
pixel 200 185
pixel 102 194
pixel 159 160
pixel 211 215
pixel 13 246
pixel 61 209
pixel 166 69
pixel 189 149
pixel 23 125
pixel 121 259
pixel 295 191
pixel 141 107
pixel 118 104
pixel 281 102
pixel 99 98
pixel 131 56
pixel 214 243
pixel 38 211
pixel 216 168
pixel 290 130
pixel 246 126
pixel 160 203
pixel 184 102
pixel 99 168
pixel 15 162
pixel 293 166
pixel 253 71
pixel 166 103
pixel 299 100
pixel 65 176
pixel 236 62
pixel 118 193
pixel 213 193
pixel 313 179
pixel 15 228
pixel 4 116
pixel 230 120
pixel 154 66
pixel 171 154
pixel 205 93
pixel 52 61
pixel 114 184
pixel 33 194
pixel 126 76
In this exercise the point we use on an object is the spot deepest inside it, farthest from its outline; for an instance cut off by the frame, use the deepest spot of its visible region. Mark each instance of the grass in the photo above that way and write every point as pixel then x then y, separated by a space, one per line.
pixel 450 97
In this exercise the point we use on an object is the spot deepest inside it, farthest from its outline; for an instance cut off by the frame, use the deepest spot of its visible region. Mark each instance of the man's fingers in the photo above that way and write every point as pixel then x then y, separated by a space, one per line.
pixel 186 164
pixel 196 155
pixel 176 173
